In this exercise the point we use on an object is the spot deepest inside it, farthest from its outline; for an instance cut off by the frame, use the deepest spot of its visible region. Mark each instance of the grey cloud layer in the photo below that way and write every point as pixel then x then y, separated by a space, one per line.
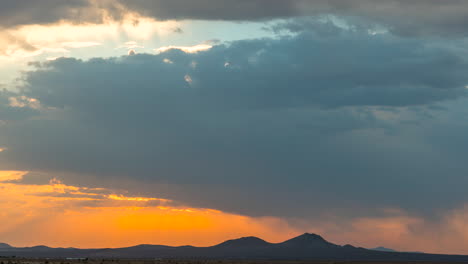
pixel 413 17
pixel 402 16
pixel 23 12
pixel 341 69
pixel 298 122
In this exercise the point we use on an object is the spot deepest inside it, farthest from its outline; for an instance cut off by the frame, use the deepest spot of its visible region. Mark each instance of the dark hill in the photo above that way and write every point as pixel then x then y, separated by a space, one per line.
pixel 244 242
pixel 4 246
pixel 307 241
pixel 383 249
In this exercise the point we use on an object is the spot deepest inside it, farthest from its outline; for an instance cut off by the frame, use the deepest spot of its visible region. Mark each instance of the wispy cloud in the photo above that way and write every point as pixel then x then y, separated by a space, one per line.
pixel 80 44
pixel 11 175
pixel 33 40
pixel 186 49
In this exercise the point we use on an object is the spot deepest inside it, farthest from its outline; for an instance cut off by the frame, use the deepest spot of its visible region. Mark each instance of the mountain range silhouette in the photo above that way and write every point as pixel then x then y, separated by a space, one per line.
pixel 304 247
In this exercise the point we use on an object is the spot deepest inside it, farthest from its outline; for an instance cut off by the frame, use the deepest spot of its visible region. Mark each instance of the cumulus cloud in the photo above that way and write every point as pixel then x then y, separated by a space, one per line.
pixel 344 69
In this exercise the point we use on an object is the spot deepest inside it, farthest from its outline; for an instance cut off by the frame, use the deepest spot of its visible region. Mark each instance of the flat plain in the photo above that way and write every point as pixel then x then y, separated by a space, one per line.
pixel 193 261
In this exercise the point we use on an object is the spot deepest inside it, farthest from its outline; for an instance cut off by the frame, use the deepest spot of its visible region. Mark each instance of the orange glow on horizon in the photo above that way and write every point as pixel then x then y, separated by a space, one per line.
pixel 99 217
pixel 61 215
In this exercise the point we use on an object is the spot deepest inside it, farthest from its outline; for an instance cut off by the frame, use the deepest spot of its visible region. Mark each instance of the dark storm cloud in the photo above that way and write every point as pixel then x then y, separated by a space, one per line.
pixel 341 69
pixel 404 17
pixel 24 12
pixel 216 10
pixel 284 126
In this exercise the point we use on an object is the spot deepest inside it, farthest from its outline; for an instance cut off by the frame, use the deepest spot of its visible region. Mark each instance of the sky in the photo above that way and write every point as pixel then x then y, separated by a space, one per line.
pixel 196 121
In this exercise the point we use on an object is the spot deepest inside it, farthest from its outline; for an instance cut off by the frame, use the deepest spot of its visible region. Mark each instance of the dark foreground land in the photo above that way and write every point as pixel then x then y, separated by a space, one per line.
pixel 307 248
pixel 184 261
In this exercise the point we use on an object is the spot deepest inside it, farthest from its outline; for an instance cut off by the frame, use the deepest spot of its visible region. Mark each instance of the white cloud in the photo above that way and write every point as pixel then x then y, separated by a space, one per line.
pixel 80 44
pixel 130 45
pixel 188 79
pixel 186 49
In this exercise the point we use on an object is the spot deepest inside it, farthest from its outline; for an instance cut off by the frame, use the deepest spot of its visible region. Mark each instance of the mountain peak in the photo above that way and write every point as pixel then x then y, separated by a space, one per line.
pixel 309 237
pixel 40 247
pixel 306 240
pixel 383 249
pixel 4 245
pixel 244 242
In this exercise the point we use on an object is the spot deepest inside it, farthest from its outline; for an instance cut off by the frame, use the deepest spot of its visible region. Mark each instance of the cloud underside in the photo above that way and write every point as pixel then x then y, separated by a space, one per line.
pixel 403 17
pixel 50 208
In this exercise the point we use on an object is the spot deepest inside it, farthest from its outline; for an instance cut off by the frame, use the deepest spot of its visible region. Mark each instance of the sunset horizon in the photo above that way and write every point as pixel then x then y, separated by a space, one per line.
pixel 194 122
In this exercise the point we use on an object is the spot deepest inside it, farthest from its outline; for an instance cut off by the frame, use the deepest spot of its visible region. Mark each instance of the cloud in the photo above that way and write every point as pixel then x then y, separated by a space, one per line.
pixel 402 231
pixel 417 17
pixel 11 175
pixel 24 102
pixel 13 107
pixel 187 49
pixel 345 69
pixel 80 44
pixel 336 120
pixel 304 121
pixel 214 10
pixel 63 36
pixel 8 42
pixel 26 12
pixel 130 45
pixel 49 209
